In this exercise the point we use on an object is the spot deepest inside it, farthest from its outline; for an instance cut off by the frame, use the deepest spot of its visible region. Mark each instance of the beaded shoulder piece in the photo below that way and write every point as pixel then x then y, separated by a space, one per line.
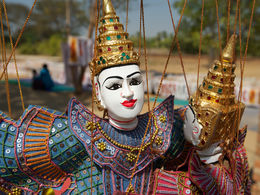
pixel 214 179
pixel 24 159
pixel 118 149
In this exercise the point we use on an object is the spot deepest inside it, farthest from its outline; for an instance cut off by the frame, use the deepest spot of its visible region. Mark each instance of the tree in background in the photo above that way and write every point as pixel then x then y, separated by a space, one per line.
pixel 254 42
pixel 49 17
pixel 47 25
pixel 16 18
pixel 189 33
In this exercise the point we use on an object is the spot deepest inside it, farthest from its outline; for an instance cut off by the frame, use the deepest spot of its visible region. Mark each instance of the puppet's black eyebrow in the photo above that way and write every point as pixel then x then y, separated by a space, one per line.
pixel 193 114
pixel 133 74
pixel 112 77
pixel 192 110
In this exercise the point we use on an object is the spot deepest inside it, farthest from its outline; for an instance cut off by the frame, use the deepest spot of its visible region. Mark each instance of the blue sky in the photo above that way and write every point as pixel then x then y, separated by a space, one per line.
pixel 157 16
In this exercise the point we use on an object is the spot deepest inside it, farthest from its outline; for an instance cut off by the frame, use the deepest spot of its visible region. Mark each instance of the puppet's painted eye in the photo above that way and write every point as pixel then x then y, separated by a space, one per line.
pixel 114 86
pixel 135 81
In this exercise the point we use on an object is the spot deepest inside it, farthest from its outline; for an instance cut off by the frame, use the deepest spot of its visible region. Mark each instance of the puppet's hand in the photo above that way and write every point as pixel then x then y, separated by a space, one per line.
pixel 192 128
pixel 210 154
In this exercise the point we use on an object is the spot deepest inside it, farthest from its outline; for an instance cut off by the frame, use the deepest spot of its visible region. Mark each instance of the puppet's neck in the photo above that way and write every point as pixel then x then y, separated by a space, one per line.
pixel 126 125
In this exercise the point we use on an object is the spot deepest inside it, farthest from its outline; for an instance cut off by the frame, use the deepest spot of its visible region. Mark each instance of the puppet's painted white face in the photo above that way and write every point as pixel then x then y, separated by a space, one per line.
pixel 121 91
pixel 192 128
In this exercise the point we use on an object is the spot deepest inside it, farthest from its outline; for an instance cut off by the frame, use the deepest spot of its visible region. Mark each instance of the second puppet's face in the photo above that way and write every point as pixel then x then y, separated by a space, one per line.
pixel 121 91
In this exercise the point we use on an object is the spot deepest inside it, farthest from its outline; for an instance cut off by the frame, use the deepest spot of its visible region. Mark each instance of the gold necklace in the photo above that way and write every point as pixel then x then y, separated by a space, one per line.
pixel 130 156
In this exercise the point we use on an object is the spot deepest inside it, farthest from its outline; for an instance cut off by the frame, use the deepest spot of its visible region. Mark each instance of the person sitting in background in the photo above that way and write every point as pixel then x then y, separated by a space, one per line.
pixel 46 79
pixel 36 81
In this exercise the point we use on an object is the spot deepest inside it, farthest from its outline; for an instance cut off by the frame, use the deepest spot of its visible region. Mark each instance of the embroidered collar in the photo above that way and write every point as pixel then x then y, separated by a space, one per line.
pixel 132 138
pixel 106 152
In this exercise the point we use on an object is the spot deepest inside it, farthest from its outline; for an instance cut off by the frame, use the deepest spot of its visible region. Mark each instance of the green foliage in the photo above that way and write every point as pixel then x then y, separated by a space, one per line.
pixel 189 33
pixel 51 46
pixel 161 40
pixel 49 17
pixel 27 48
pixel 47 26
pixel 16 18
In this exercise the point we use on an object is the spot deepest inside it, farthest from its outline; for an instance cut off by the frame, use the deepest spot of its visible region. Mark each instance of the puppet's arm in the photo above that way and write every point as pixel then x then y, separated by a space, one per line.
pixel 38 151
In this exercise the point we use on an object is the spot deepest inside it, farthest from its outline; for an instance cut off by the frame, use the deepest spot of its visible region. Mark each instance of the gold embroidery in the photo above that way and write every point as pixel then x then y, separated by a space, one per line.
pixel 101 146
pixel 90 126
pixel 35 149
pixel 130 189
pixel 38 158
pixel 37 134
pixel 35 140
pixel 39 125
pixel 41 165
pixel 158 140
pixel 131 155
pixel 39 130
pixel 162 118
pixel 43 117
pixel 39 161
pixel 35 154
pixel 35 145
pixel 41 121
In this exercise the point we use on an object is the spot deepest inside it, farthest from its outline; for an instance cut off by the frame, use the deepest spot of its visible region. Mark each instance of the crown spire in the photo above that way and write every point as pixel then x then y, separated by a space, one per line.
pixel 108 8
pixel 218 86
pixel 113 46
pixel 229 51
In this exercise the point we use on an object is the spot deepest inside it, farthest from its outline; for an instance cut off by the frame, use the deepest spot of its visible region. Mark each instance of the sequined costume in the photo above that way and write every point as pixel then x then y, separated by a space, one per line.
pixel 48 149
pixel 45 148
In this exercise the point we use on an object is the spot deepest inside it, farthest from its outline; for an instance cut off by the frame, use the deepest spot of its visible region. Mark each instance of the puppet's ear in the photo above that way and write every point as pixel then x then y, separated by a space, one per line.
pixel 98 92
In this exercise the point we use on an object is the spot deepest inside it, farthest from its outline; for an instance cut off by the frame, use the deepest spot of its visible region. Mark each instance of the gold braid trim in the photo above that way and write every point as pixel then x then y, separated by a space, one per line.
pixel 131 148
pixel 131 156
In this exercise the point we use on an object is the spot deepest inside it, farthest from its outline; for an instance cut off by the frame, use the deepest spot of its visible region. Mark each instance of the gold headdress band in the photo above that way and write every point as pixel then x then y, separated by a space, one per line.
pixel 113 46
pixel 216 107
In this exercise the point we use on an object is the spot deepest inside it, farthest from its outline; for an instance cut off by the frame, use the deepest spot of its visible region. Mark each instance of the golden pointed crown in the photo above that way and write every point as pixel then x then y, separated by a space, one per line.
pixel 216 105
pixel 113 46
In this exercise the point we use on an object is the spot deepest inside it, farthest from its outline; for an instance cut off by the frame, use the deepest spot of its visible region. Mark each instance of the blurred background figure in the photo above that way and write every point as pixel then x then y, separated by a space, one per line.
pixel 45 78
pixel 36 81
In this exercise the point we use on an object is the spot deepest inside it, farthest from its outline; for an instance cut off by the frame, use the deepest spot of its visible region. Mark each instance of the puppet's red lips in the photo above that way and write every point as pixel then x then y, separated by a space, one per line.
pixel 129 103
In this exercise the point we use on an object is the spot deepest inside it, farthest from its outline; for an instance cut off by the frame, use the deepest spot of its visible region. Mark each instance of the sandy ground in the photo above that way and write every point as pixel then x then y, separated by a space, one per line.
pixel 157 62
pixel 58 101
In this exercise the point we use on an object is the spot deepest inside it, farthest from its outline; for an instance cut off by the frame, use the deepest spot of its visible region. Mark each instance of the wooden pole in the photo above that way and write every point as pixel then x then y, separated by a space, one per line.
pixel 92 19
pixel 68 15
pixel 68 26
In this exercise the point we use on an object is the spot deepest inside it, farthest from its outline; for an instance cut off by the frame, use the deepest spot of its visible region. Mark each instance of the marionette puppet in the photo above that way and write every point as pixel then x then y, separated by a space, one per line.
pixel 166 151
pixel 219 165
